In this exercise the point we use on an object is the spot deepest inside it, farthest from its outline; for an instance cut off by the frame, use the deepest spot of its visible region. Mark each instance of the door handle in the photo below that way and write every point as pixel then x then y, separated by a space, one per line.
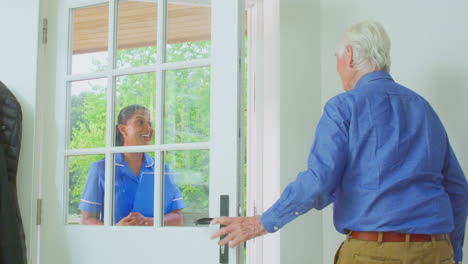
pixel 223 211
pixel 203 221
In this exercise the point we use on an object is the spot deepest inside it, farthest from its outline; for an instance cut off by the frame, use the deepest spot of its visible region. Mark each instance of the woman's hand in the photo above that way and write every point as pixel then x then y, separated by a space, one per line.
pixel 133 219
pixel 148 221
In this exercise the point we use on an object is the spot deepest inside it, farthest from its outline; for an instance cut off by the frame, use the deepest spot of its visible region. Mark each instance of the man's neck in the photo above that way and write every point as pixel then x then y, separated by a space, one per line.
pixel 357 76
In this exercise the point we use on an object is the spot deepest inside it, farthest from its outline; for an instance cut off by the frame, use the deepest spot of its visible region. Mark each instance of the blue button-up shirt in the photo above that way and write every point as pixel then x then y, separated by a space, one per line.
pixel 382 156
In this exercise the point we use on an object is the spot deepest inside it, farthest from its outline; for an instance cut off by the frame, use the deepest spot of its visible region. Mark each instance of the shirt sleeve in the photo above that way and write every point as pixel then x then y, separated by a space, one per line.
pixel 314 187
pixel 173 196
pixel 92 199
pixel 456 187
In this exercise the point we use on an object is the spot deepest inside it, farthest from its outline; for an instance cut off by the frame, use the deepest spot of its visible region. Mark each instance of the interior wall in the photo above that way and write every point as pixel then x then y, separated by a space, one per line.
pixel 19 23
pixel 300 109
pixel 429 55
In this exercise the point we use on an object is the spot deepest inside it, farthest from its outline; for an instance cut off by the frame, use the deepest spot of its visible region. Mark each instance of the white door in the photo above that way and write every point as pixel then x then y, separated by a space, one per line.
pixel 182 61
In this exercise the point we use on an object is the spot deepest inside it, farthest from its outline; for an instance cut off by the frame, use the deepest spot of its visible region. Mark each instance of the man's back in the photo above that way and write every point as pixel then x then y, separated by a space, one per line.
pixel 381 154
pixel 397 155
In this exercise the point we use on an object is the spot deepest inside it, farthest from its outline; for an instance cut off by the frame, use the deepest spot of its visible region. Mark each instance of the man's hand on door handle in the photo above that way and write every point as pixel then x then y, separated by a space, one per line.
pixel 238 229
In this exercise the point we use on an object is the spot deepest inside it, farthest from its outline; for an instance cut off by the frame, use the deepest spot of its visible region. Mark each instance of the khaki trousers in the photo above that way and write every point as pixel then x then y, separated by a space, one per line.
pixel 353 251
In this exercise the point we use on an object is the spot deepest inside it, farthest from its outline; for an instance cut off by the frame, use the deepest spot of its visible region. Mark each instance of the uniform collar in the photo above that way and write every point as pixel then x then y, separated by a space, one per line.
pixel 120 161
pixel 372 76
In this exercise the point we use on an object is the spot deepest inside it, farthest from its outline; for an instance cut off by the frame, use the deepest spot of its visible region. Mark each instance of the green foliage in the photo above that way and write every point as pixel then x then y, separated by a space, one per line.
pixel 79 166
pixel 192 173
pixel 136 57
pixel 88 123
pixel 195 197
pixel 186 118
pixel 187 107
pixel 188 51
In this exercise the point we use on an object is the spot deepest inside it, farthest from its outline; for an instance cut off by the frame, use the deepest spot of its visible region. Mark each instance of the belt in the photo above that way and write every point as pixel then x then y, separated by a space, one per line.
pixel 395 237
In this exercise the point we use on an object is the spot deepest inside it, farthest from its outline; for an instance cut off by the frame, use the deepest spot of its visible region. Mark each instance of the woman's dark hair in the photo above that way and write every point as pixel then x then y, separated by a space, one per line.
pixel 124 115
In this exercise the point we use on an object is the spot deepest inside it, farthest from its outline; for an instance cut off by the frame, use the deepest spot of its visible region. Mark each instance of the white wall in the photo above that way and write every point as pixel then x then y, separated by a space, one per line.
pixel 430 40
pixel 429 55
pixel 300 109
pixel 19 22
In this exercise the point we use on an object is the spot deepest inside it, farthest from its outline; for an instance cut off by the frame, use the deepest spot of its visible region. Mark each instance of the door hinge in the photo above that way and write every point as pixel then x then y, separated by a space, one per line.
pixel 39 212
pixel 44 30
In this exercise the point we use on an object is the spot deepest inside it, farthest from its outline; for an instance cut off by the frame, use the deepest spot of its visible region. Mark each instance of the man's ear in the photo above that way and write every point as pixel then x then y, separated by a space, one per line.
pixel 349 55
pixel 122 129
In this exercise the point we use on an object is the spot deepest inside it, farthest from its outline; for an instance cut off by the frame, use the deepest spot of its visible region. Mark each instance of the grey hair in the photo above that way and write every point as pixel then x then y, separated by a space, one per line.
pixel 370 44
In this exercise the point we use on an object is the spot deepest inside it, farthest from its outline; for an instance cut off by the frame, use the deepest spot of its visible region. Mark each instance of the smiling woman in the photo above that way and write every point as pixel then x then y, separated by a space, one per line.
pixel 134 178
pixel 134 126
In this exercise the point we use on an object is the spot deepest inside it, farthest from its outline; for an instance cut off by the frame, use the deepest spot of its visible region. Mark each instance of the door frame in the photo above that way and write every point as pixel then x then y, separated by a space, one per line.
pixel 263 61
pixel 263 138
pixel 40 138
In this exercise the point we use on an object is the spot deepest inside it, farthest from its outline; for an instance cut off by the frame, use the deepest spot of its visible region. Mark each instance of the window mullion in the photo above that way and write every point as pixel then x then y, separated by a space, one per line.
pixel 138 148
pixel 67 82
pixel 160 86
pixel 142 69
pixel 109 170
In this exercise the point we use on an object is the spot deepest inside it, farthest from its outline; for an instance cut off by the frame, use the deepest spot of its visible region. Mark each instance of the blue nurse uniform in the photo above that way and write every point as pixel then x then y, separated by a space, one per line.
pixel 132 193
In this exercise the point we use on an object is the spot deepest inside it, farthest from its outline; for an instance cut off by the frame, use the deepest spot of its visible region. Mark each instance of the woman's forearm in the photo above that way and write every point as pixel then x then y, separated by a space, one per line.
pixel 174 218
pixel 88 218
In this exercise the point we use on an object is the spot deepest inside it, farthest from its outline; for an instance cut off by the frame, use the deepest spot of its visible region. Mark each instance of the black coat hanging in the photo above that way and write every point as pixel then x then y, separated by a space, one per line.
pixel 12 238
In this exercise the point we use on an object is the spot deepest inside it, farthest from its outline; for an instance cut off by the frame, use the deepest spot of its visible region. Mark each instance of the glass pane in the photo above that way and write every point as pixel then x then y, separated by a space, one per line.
pixel 85 189
pixel 134 189
pixel 135 102
pixel 187 106
pixel 88 113
pixel 188 30
pixel 189 171
pixel 90 39
pixel 136 33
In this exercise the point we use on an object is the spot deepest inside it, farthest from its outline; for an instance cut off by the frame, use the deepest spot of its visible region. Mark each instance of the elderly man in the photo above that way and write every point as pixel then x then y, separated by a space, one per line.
pixel 382 156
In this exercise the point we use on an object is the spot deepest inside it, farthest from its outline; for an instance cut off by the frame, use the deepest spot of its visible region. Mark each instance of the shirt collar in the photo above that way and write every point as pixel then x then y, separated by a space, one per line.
pixel 372 76
pixel 120 161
